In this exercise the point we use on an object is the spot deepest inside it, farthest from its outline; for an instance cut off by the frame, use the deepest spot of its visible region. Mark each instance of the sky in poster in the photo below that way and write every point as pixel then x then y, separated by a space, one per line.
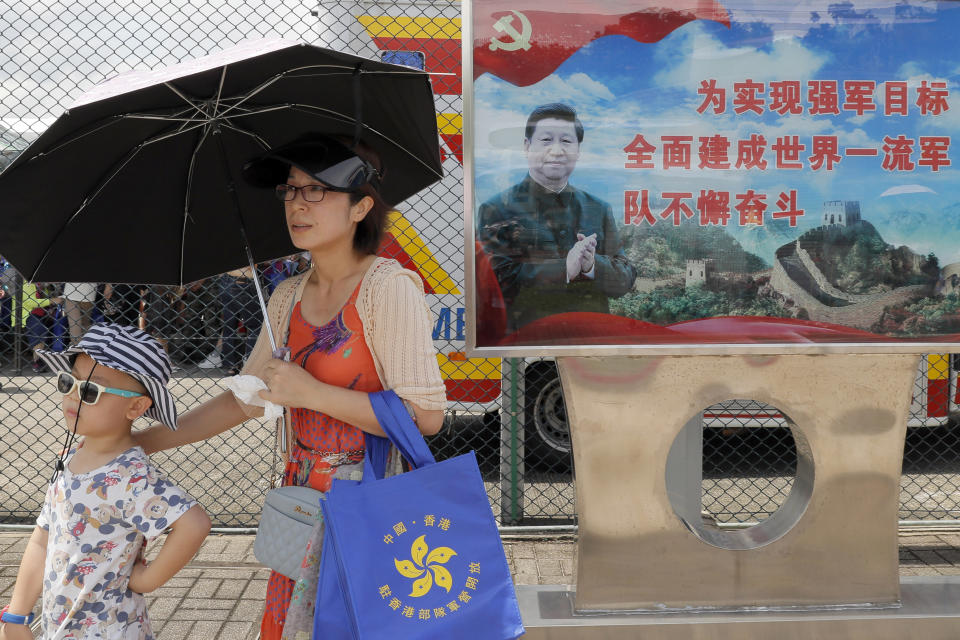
pixel 622 88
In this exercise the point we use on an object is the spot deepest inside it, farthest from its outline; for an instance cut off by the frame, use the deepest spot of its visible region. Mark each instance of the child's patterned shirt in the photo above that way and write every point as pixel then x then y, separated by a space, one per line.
pixel 97 523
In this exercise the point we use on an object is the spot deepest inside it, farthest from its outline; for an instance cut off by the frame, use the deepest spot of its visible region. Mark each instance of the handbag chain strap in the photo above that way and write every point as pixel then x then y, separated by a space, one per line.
pixel 274 475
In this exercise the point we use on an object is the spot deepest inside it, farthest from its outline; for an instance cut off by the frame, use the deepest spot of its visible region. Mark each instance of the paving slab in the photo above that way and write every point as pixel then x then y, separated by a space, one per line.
pixel 220 594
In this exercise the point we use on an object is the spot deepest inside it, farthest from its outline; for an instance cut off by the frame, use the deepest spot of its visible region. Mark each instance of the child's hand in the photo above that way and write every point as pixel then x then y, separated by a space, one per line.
pixel 138 581
pixel 186 536
pixel 15 632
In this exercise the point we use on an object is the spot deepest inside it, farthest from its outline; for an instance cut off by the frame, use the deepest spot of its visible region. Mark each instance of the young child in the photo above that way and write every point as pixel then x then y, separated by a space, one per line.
pixel 85 555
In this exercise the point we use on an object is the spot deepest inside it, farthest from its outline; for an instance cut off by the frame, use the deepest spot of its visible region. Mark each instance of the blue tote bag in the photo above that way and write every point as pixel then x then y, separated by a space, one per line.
pixel 416 555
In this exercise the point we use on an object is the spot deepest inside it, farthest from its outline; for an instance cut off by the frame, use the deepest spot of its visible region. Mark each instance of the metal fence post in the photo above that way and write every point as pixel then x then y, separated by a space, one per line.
pixel 18 324
pixel 511 442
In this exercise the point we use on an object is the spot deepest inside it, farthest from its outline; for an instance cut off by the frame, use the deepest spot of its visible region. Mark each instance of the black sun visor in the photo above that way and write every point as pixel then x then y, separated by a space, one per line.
pixel 330 162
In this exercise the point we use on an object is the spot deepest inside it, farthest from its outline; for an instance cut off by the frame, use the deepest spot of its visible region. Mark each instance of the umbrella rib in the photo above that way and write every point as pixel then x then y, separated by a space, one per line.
pixel 172 134
pixel 279 76
pixel 410 74
pixel 232 127
pixel 256 111
pixel 309 108
pixel 147 116
pixel 281 107
pixel 184 98
pixel 186 200
pixel 94 129
pixel 398 72
pixel 110 121
pixel 250 94
pixel 183 126
pixel 216 102
pixel 347 67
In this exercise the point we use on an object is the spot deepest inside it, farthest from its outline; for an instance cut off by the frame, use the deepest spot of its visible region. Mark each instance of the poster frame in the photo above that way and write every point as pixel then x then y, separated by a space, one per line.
pixel 620 349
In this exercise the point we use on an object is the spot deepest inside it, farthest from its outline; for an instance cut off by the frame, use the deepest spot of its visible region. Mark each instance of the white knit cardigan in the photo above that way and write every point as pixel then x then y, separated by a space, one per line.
pixel 396 327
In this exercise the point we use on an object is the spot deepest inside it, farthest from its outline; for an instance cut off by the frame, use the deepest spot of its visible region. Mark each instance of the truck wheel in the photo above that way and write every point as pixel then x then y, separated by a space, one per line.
pixel 547 435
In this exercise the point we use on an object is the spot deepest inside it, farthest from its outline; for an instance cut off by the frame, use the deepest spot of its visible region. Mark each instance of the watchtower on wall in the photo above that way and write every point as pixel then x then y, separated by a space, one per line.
pixel 949 279
pixel 843 213
pixel 697 272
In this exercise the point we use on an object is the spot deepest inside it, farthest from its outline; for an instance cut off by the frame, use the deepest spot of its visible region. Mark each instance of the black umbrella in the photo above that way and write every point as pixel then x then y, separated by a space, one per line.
pixel 139 181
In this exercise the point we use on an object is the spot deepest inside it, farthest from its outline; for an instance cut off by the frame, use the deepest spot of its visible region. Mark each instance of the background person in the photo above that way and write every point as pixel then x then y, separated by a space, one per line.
pixel 553 248
pixel 122 303
pixel 78 301
pixel 202 322
pixel 160 311
pixel 238 299
pixel 43 321
pixel 355 324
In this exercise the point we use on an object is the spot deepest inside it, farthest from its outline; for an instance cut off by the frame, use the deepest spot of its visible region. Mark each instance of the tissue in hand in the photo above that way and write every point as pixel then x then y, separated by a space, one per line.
pixel 246 388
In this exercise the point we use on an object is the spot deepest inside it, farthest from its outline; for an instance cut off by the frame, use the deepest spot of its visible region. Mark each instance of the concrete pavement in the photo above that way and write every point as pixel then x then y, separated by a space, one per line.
pixel 220 594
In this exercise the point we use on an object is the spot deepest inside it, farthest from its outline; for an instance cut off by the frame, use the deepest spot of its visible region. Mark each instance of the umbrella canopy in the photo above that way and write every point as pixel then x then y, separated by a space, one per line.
pixel 139 181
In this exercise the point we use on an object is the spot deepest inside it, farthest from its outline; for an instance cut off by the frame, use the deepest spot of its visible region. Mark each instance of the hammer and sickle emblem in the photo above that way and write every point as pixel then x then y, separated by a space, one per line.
pixel 520 39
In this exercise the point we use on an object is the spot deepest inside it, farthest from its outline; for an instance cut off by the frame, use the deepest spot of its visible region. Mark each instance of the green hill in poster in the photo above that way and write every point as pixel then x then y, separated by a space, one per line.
pixel 662 251
pixel 665 257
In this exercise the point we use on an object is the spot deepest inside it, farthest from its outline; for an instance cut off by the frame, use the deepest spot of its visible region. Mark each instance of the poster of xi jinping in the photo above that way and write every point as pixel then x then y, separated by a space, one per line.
pixel 714 172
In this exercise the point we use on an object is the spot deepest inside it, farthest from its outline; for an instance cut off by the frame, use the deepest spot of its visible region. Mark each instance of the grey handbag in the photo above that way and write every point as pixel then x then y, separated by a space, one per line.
pixel 289 515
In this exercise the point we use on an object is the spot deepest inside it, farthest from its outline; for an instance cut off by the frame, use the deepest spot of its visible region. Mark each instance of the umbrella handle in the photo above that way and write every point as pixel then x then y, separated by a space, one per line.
pixel 282 353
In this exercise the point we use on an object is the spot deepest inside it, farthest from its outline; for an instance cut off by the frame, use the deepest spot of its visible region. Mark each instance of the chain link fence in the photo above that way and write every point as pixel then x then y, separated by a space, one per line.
pixel 511 413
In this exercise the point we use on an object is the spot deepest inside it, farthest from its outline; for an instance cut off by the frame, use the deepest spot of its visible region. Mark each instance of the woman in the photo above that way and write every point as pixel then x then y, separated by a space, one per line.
pixel 355 324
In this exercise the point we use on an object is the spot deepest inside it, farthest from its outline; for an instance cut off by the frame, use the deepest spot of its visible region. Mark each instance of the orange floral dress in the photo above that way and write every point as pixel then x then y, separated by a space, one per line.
pixel 336 354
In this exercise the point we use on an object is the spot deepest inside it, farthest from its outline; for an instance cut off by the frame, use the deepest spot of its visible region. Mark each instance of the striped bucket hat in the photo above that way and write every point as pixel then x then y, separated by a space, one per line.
pixel 132 351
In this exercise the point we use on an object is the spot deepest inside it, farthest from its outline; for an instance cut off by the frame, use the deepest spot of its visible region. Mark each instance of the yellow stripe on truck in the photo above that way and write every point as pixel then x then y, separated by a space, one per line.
pixel 938 367
pixel 408 238
pixel 404 27
pixel 454 368
pixel 450 123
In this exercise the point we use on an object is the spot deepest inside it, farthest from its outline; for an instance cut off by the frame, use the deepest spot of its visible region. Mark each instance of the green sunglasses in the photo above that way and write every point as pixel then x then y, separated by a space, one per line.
pixel 90 392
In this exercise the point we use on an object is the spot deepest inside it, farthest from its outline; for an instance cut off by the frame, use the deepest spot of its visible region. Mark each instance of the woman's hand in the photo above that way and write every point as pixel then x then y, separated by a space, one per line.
pixel 290 385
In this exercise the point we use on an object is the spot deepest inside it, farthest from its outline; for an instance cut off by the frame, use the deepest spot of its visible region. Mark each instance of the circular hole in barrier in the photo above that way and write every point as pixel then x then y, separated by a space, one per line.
pixel 739 474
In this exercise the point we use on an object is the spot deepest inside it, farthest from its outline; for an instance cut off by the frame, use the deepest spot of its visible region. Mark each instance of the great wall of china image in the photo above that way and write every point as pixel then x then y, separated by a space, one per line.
pixel 841 272
pixel 797 277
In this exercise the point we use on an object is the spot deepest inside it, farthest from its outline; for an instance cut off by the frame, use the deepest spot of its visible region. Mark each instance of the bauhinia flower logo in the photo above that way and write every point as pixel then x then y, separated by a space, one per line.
pixel 426 563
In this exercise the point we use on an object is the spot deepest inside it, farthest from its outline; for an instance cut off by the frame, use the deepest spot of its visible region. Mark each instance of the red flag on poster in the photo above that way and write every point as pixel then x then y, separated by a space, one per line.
pixel 524 41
